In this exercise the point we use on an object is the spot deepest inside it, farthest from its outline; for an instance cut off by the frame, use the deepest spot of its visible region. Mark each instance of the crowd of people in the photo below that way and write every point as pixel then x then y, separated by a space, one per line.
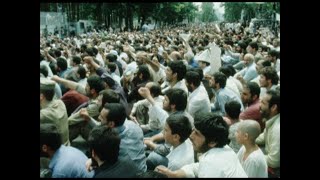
pixel 191 101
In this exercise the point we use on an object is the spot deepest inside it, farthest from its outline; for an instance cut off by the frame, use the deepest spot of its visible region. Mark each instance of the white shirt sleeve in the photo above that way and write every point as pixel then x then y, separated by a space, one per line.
pixel 191 170
pixel 159 113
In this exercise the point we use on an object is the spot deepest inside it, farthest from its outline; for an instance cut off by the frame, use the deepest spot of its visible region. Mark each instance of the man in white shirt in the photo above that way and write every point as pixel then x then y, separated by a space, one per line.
pixel 198 100
pixel 175 102
pixel 210 137
pixel 176 132
pixel 175 73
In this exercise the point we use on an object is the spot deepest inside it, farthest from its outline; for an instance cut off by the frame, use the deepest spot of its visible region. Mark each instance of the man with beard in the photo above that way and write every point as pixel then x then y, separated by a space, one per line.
pixel 250 98
pixel 65 161
pixel 269 80
pixel 104 144
pixel 198 101
pixel 210 137
pixel 270 111
pixel 114 116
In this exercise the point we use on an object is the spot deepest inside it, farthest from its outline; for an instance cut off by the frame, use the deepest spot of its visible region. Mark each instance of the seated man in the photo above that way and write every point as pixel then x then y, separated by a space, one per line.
pixel 65 161
pixel 176 132
pixel 113 115
pixel 104 144
pixel 210 137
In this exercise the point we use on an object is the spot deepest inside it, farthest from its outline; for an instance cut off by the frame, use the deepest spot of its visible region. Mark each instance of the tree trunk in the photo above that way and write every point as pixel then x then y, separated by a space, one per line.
pixel 78 12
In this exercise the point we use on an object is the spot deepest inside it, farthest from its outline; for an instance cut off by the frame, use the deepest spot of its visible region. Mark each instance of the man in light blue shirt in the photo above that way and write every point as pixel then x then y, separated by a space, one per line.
pixel 249 72
pixel 113 115
pixel 65 161
pixel 223 95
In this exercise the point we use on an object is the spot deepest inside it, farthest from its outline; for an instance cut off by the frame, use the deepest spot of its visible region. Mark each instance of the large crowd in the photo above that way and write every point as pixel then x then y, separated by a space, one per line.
pixel 189 101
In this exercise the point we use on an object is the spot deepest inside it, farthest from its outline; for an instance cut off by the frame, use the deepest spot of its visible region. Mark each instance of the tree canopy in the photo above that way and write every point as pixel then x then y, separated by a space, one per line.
pixel 260 10
pixel 110 14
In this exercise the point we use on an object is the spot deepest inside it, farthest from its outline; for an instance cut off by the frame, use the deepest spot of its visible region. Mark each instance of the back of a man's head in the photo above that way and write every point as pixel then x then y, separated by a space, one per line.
pixel 105 142
pixel 193 77
pixel 177 97
pixel 213 128
pixel 233 109
pixel 116 113
pixel 50 136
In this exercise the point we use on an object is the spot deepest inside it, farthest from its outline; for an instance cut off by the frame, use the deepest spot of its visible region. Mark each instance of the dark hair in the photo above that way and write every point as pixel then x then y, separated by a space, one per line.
pixel 225 70
pixel 96 83
pixel 62 63
pixel 52 66
pixel 155 89
pixel 82 72
pixel 270 73
pixel 242 45
pixel 95 51
pixel 273 53
pixel 83 48
pixel 177 97
pixel 111 57
pixel 105 142
pixel 44 70
pixel 254 45
pixel 266 63
pixel 109 96
pixel 90 52
pixel 180 124
pixel 112 67
pixel 179 68
pixel 253 88
pixel 193 77
pixel 50 136
pixel 144 70
pixel 117 113
pixel 76 59
pixel 233 109
pixel 47 93
pixel 57 53
pixel 199 71
pixel 220 78
pixel 213 128
pixel 275 99
pixel 232 70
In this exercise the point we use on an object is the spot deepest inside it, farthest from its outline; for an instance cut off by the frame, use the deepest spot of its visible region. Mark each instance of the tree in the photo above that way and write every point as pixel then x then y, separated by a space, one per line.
pixel 113 14
pixel 232 11
pixel 208 13
pixel 260 10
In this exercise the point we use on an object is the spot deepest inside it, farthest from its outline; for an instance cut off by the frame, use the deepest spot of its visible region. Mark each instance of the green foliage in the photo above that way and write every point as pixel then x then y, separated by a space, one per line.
pixel 166 12
pixel 208 14
pixel 232 10
pixel 263 10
